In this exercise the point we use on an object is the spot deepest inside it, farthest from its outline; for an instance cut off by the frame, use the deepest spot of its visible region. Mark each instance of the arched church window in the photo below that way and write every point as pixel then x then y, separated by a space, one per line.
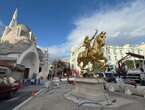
pixel 23 33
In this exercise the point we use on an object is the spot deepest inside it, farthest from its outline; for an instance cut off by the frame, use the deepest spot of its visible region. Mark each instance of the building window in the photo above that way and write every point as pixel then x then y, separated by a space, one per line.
pixel 73 53
pixel 108 51
pixel 121 52
pixel 114 51
pixel 139 52
pixel 72 66
pixel 109 58
pixel 132 50
pixel 23 33
pixel 129 50
pixel 115 57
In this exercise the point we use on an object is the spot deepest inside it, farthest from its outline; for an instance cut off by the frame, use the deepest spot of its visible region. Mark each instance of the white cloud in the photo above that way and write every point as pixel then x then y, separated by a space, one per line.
pixel 57 50
pixel 122 25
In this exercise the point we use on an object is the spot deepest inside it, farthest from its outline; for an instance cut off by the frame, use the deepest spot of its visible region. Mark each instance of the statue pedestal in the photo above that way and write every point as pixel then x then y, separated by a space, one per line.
pixel 89 92
pixel 89 88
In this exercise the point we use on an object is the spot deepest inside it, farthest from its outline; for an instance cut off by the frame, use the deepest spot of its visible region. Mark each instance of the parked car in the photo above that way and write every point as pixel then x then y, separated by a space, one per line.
pixel 8 85
pixel 7 89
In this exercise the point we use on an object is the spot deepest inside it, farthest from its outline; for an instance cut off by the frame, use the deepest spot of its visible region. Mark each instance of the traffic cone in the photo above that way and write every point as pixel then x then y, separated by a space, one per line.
pixel 33 92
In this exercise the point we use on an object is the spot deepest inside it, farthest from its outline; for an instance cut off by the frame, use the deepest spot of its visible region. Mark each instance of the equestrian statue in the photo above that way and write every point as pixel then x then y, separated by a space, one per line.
pixel 93 53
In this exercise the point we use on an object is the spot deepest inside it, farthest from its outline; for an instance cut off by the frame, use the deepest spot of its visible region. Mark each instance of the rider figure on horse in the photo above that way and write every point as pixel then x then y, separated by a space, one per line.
pixel 87 43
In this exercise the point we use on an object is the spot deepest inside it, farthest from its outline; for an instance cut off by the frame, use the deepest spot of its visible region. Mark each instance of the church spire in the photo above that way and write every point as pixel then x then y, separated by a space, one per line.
pixel 14 19
pixel 12 23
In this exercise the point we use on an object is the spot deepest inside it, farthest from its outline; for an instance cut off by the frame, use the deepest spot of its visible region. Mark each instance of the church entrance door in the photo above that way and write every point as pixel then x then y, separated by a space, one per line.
pixel 26 73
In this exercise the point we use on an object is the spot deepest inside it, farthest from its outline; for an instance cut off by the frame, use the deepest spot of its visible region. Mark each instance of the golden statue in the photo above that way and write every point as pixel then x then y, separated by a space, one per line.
pixel 94 53
pixel 87 43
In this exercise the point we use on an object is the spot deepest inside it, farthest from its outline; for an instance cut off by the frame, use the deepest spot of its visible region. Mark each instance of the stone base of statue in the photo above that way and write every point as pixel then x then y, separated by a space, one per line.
pixel 89 88
pixel 91 91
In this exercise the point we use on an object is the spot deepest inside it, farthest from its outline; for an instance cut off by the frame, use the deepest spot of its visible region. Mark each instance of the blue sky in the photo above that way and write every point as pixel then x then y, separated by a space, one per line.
pixel 62 23
pixel 50 20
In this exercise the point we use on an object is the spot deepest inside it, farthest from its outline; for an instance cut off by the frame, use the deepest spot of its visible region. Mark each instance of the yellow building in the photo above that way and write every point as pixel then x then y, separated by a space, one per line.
pixel 142 47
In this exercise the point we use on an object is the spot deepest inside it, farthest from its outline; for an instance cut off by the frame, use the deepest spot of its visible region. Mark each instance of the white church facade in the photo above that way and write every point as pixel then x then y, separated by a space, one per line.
pixel 18 45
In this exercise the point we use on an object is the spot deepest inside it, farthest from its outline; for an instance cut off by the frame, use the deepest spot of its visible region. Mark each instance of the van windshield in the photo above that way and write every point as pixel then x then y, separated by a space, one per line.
pixel 3 71
pixel 108 74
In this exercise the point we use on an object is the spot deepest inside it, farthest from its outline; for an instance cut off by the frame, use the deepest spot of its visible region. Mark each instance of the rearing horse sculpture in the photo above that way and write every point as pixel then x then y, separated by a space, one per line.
pixel 95 54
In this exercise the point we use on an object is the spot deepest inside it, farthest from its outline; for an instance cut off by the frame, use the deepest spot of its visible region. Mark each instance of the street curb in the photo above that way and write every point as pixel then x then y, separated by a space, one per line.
pixel 27 100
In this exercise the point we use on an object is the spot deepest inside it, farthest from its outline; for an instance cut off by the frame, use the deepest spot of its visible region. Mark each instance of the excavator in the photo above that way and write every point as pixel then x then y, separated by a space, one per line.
pixel 122 71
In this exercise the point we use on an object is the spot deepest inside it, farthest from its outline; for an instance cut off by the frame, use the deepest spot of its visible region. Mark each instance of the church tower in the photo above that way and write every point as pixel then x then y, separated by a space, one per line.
pixel 11 25
pixel 15 32
pixel 14 19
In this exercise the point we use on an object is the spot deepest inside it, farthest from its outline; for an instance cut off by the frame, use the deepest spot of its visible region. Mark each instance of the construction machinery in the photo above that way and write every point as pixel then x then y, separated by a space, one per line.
pixel 137 74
